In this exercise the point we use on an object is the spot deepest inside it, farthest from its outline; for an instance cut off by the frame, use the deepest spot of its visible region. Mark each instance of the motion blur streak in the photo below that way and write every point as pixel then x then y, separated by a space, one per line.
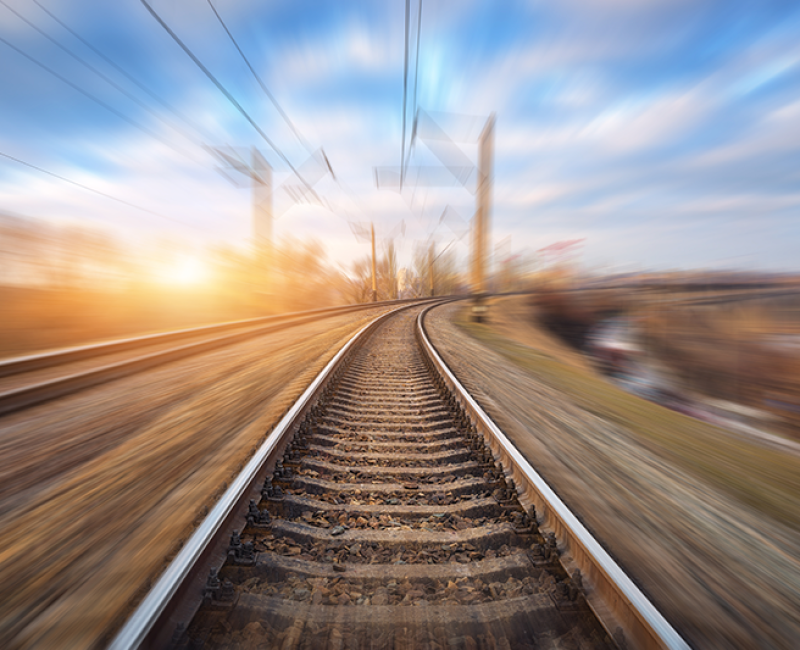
pixel 631 167
pixel 661 132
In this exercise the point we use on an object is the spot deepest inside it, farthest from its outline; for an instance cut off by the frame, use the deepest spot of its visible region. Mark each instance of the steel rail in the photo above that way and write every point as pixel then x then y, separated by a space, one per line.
pixel 17 365
pixel 17 399
pixel 152 623
pixel 613 596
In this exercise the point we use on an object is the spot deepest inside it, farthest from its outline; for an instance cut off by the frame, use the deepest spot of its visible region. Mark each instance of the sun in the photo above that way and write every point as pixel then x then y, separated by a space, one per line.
pixel 186 270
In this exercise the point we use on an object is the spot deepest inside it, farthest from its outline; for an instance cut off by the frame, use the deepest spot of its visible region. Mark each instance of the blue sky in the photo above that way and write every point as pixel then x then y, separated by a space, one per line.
pixel 666 133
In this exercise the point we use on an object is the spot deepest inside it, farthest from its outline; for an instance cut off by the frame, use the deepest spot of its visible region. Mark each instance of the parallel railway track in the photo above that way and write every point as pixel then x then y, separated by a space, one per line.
pixel 33 379
pixel 387 511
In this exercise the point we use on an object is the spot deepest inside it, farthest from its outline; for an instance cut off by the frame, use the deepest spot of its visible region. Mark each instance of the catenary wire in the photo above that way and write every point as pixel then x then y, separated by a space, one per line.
pixel 94 70
pixel 414 101
pixel 274 101
pixel 228 96
pixel 405 97
pixel 416 70
pixel 183 118
pixel 98 101
pixel 91 189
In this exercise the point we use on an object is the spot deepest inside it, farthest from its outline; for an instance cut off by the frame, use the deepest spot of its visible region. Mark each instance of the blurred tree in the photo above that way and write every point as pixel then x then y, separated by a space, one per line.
pixel 446 273
pixel 421 268
pixel 357 283
pixel 23 252
pixel 387 272
pixel 302 278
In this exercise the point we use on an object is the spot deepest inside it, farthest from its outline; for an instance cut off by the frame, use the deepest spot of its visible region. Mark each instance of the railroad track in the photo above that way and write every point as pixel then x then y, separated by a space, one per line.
pixel 33 379
pixel 385 512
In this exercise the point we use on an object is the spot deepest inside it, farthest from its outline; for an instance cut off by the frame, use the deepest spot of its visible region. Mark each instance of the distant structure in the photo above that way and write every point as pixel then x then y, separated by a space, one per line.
pixel 405 284
pixel 261 176
pixel 460 168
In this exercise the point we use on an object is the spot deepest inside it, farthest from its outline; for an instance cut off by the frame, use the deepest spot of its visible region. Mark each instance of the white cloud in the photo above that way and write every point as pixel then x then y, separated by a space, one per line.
pixel 355 49
pixel 629 127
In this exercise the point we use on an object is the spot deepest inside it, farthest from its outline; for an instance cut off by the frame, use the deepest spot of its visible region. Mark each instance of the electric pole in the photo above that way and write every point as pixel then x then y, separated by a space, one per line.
pixel 483 207
pixel 430 267
pixel 374 278
pixel 482 210
pixel 262 218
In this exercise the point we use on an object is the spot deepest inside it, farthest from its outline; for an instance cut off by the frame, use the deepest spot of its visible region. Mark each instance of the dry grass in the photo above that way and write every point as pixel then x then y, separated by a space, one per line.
pixel 710 534
pixel 764 478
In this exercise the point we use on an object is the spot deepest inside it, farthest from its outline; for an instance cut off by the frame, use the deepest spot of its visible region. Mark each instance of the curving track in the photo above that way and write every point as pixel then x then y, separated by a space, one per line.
pixel 386 523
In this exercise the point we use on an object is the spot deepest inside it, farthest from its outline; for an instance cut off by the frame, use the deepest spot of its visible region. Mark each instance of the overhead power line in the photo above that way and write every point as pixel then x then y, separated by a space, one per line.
pixel 91 189
pixel 405 94
pixel 228 96
pixel 416 76
pixel 183 118
pixel 284 115
pixel 407 156
pixel 90 67
pixel 274 101
pixel 98 101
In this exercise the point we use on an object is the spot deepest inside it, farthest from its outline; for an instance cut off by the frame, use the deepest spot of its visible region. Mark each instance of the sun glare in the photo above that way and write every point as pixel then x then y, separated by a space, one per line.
pixel 185 271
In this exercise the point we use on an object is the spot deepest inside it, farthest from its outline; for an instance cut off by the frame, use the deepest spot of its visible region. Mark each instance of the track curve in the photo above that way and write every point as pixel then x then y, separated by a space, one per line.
pixel 388 524
pixel 393 513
